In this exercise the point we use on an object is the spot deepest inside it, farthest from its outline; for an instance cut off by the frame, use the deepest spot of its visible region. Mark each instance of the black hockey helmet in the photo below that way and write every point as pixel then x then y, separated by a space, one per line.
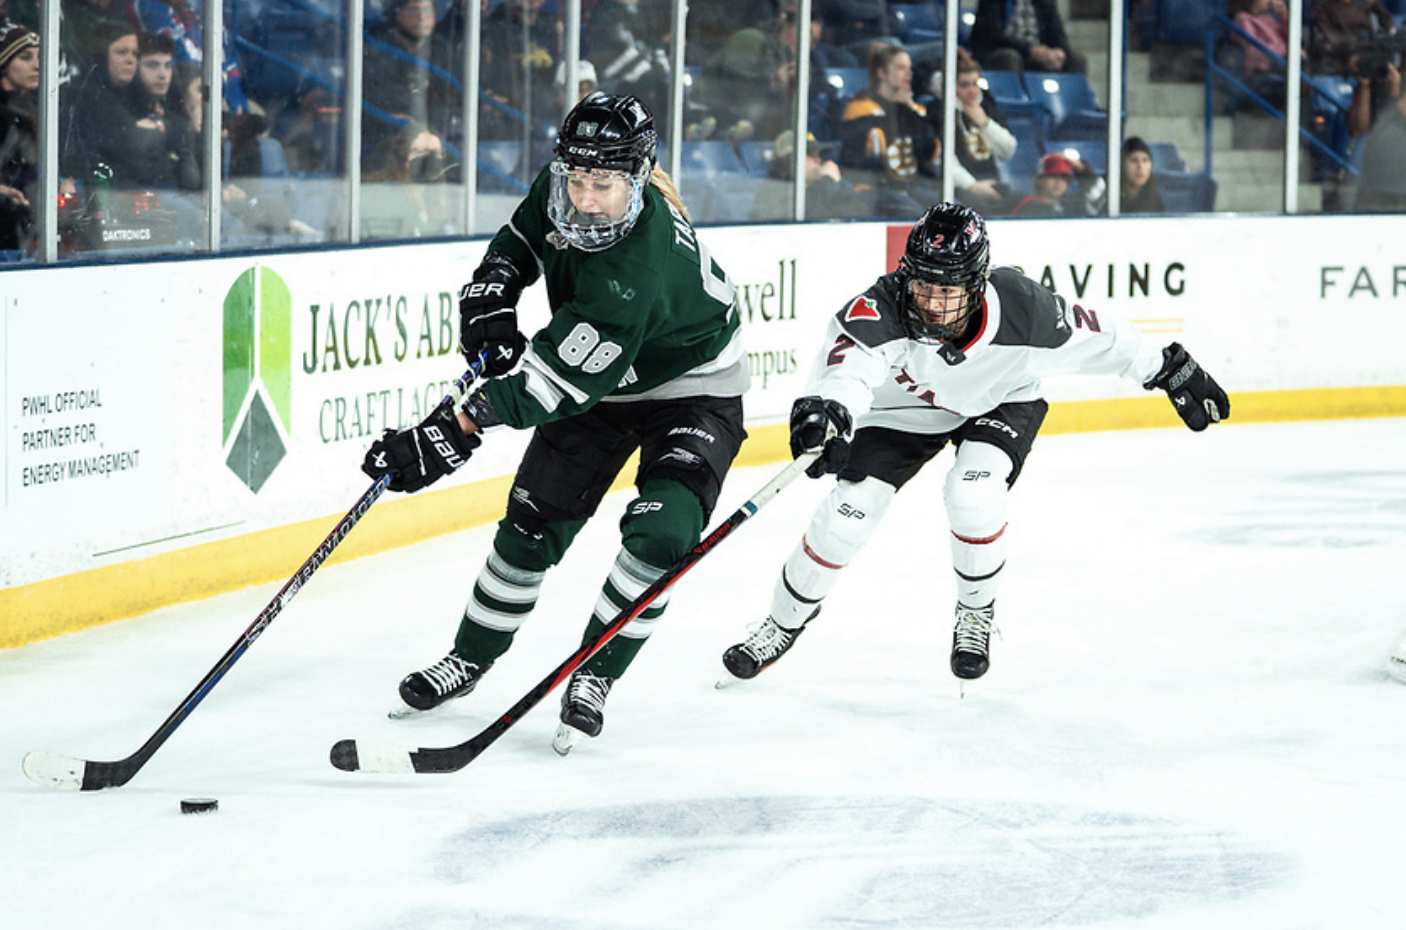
pixel 608 132
pixel 947 248
pixel 605 138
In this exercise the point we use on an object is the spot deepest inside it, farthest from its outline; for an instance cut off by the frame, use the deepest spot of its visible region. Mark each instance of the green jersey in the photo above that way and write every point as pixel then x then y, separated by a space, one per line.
pixel 650 317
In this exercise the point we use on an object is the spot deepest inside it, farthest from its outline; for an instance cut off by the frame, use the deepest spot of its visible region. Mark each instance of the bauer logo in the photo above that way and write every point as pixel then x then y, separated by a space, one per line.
pixel 258 375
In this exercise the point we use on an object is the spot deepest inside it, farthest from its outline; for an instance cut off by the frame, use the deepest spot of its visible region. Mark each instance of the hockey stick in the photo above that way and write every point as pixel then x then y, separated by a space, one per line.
pixel 54 770
pixel 351 755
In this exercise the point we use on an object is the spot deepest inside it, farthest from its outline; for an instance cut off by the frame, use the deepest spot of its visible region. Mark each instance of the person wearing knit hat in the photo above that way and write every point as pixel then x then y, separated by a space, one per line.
pixel 19 136
pixel 14 39
pixel 1139 188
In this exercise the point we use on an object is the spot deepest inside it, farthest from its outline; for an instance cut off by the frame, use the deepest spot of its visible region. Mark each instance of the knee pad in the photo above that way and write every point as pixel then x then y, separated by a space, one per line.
pixel 975 490
pixel 848 517
pixel 534 548
pixel 842 524
pixel 662 524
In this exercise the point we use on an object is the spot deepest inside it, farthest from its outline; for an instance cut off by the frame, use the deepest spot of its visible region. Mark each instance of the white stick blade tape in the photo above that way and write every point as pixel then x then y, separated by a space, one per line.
pixel 53 770
pixel 383 757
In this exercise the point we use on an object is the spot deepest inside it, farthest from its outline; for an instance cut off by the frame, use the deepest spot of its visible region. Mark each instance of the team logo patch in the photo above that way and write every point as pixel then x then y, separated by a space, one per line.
pixel 863 308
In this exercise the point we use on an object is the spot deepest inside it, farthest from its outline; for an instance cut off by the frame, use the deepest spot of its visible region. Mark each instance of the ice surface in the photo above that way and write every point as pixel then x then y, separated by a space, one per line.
pixel 1187 724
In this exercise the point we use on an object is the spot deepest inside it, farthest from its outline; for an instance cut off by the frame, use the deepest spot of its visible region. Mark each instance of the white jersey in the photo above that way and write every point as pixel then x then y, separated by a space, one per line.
pixel 1026 333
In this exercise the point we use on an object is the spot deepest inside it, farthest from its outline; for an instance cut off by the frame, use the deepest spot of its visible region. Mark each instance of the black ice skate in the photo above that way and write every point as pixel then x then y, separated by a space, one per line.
pixel 971 640
pixel 582 709
pixel 767 643
pixel 448 678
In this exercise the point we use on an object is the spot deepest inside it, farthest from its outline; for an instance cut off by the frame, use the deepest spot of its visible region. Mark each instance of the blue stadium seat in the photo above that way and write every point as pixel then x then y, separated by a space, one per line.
pixel 1018 172
pixel 498 162
pixel 917 23
pixel 1029 129
pixel 1070 101
pixel 756 157
pixel 1005 87
pixel 1186 191
pixel 847 81
pixel 711 158
pixel 1165 157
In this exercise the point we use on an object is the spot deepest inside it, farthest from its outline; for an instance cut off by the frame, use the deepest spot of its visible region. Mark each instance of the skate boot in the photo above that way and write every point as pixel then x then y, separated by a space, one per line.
pixel 582 709
pixel 450 677
pixel 767 643
pixel 971 640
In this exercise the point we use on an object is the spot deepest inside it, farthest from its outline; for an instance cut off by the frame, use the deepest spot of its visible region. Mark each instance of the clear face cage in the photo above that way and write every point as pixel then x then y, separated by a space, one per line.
pixel 594 232
pixel 919 295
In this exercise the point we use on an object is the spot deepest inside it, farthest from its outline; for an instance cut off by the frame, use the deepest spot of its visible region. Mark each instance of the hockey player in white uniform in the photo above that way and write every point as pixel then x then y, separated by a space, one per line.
pixel 940 351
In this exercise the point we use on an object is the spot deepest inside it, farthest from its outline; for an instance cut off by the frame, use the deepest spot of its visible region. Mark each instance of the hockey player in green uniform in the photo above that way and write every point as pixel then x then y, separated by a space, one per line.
pixel 643 351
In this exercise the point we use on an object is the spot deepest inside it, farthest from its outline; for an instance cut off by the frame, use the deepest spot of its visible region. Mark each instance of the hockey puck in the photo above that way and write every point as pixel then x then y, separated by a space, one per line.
pixel 199 806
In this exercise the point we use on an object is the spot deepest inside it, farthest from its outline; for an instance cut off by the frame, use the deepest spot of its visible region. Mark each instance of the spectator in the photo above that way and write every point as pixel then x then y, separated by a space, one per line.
pixel 1057 194
pixel 745 88
pixel 711 24
pixel 162 130
pixel 824 103
pixel 1342 30
pixel 525 47
pixel 828 195
pixel 247 208
pixel 98 142
pixel 980 140
pixel 397 78
pixel 19 136
pixel 1267 22
pixel 586 83
pixel 887 139
pixel 1023 35
pixel 1139 188
pixel 497 117
pixel 413 154
pixel 180 20
pixel 629 58
pixel 1382 188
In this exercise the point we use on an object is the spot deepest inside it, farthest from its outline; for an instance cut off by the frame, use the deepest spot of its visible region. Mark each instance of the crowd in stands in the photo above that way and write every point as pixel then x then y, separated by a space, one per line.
pixel 131 100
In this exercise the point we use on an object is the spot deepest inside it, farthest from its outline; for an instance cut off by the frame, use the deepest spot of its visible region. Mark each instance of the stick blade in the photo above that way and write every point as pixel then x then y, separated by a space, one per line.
pixel 351 755
pixel 53 770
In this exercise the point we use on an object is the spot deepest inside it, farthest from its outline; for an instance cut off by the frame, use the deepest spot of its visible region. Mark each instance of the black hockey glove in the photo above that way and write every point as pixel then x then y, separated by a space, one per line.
pixel 418 457
pixel 824 425
pixel 488 316
pixel 1194 394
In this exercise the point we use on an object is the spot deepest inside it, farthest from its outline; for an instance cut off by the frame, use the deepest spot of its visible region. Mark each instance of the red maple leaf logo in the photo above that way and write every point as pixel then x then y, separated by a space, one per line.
pixel 863 308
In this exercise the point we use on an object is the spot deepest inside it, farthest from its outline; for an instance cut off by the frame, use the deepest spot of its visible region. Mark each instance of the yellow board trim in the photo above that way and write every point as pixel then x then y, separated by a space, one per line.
pixel 75 602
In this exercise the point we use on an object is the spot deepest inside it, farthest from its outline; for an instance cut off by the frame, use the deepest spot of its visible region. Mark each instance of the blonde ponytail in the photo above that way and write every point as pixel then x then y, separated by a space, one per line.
pixel 665 185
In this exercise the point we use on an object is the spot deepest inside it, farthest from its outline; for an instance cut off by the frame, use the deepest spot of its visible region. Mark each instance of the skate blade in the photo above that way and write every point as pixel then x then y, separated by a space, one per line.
pixel 406 712
pixel 566 737
pixel 727 680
